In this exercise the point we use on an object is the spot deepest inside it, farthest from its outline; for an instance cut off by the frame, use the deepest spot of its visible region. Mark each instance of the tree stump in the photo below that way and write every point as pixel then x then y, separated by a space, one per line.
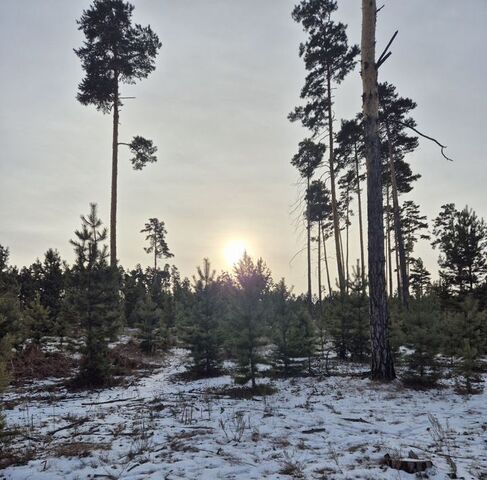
pixel 409 465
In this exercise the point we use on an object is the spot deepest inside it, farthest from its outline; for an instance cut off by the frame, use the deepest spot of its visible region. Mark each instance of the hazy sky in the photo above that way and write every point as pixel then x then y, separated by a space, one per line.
pixel 227 75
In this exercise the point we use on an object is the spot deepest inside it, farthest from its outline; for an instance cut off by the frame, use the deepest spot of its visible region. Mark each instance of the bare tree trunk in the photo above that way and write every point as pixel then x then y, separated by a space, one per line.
pixel 308 229
pixel 334 208
pixel 404 284
pixel 347 227
pixel 325 256
pixel 342 250
pixel 360 221
pixel 113 207
pixel 320 295
pixel 382 367
pixel 398 276
pixel 389 242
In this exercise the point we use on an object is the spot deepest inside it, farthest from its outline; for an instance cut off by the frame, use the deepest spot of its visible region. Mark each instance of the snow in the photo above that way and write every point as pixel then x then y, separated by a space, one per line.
pixel 163 427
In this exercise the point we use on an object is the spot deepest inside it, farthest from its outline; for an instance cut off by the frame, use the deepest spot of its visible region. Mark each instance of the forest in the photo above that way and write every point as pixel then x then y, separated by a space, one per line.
pixel 375 371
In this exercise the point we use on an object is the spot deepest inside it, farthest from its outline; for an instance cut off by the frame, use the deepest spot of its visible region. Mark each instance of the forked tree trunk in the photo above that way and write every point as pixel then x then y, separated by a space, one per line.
pixel 334 207
pixel 401 252
pixel 382 365
pixel 113 206
pixel 360 221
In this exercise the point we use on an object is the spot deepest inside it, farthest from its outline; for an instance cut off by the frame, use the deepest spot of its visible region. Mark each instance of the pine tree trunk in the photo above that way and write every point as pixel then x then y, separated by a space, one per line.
pixel 404 287
pixel 382 367
pixel 360 221
pixel 325 256
pixel 347 226
pixel 389 242
pixel 308 229
pixel 320 295
pixel 113 207
pixel 398 275
pixel 336 220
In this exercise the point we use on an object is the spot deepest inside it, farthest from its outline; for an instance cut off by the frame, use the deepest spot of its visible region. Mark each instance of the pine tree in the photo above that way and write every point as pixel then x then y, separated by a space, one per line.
pixel 328 59
pixel 319 212
pixel 420 278
pixel 51 285
pixel 38 321
pixel 9 317
pixel 134 289
pixel 382 367
pixel 350 151
pixel 202 326
pixel 414 226
pixel 152 329
pixel 394 118
pixel 358 302
pixel 422 335
pixel 115 51
pixel 464 335
pixel 94 296
pixel 291 328
pixel 156 236
pixel 468 369
pixel 253 281
pixel 307 160
pixel 461 237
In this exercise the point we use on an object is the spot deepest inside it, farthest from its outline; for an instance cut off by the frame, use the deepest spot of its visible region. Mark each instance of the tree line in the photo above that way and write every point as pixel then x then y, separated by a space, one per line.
pixel 244 314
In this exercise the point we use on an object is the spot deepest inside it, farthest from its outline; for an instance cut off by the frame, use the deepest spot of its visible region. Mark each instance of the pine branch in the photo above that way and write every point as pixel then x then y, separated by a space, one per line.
pixel 442 147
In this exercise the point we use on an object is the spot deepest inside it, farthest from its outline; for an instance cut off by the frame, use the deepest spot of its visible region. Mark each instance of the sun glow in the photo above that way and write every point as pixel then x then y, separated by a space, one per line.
pixel 234 251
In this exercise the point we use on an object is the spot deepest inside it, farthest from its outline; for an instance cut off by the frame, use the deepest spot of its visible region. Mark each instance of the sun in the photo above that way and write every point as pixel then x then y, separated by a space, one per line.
pixel 234 251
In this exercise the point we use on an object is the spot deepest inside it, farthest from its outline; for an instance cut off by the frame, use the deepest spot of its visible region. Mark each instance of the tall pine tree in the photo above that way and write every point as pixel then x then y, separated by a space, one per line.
pixel 115 52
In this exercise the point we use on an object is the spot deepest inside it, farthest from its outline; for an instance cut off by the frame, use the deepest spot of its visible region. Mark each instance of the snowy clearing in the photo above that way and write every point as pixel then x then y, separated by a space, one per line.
pixel 163 427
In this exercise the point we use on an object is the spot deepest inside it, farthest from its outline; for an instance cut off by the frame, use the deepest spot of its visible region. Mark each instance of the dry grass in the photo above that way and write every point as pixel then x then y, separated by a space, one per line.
pixel 34 364
pixel 78 449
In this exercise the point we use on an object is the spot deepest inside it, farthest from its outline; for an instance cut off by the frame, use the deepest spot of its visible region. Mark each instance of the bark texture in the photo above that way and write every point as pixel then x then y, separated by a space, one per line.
pixel 382 367
pixel 113 204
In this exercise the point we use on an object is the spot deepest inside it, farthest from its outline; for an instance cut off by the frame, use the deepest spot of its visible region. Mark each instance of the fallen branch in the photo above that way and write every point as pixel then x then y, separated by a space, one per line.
pixel 115 400
pixel 356 420
pixel 71 425
pixel 314 430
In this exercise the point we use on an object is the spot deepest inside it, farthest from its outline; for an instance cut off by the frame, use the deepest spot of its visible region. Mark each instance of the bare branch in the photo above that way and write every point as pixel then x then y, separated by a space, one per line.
pixel 427 137
pixel 381 58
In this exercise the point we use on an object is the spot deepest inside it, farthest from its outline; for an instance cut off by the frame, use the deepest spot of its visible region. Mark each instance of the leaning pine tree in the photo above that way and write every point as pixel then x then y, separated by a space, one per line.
pixel 115 51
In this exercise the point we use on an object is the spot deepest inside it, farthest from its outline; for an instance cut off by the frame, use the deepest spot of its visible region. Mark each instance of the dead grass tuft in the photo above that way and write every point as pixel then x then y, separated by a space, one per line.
pixel 78 449
pixel 32 364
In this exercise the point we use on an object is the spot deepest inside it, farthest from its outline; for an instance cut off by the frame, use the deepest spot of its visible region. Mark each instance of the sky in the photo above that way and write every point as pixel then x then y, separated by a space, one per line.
pixel 226 77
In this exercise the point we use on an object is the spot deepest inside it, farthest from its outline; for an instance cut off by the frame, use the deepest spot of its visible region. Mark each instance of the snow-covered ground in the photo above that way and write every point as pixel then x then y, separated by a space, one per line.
pixel 160 427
